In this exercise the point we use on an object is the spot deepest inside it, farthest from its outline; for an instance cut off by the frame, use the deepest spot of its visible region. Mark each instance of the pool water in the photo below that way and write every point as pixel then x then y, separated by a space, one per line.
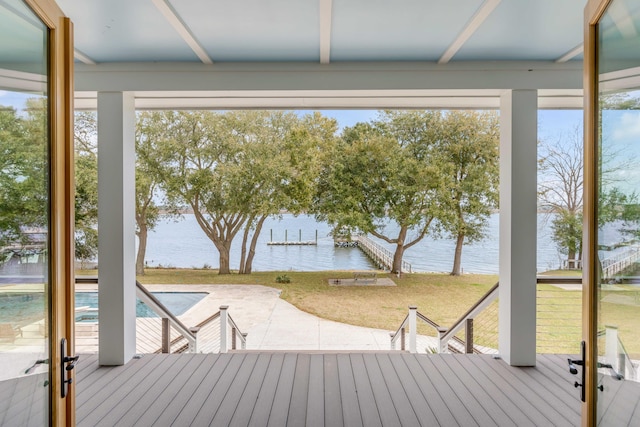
pixel 177 303
pixel 25 308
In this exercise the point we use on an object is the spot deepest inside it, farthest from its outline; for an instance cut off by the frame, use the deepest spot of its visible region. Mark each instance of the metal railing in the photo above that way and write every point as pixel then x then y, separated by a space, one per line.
pixel 167 334
pixel 557 329
pixel 410 322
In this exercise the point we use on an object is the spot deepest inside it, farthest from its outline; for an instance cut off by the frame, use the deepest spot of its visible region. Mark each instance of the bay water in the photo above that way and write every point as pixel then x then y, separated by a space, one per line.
pixel 182 244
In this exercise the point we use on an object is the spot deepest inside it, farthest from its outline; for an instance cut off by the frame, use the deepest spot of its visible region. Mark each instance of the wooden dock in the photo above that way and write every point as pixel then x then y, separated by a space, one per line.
pixel 620 262
pixel 287 242
pixel 381 256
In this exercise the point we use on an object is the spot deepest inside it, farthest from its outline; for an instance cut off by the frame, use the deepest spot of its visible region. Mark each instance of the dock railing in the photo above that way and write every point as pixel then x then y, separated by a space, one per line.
pixel 379 254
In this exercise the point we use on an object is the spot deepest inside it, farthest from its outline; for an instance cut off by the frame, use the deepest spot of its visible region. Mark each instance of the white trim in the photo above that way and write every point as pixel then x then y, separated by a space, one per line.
pixel 325 30
pixel 628 78
pixel 421 99
pixel 571 54
pixel 167 11
pixel 145 77
pixel 474 23
pixel 22 81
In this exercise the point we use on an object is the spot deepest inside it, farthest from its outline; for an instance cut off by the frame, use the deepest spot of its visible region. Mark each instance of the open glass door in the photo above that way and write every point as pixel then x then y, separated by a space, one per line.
pixel 613 152
pixel 24 217
pixel 36 233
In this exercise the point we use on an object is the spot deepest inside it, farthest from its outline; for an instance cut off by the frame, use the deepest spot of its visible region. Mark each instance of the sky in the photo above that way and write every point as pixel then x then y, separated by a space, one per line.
pixel 552 124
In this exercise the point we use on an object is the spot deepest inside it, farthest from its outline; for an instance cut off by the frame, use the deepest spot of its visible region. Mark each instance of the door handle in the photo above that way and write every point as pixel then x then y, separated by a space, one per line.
pixel 572 368
pixel 65 370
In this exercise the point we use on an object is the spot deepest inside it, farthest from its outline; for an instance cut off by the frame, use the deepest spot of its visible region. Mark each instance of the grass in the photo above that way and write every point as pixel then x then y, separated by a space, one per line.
pixel 441 297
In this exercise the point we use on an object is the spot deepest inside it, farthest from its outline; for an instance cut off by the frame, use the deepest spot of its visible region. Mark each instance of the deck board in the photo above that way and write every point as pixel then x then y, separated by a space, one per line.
pixel 266 394
pixel 333 412
pixel 202 391
pixel 368 409
pixel 282 398
pixel 386 409
pixel 315 396
pixel 248 401
pixel 333 389
pixel 176 391
pixel 351 416
pixel 300 392
pixel 216 391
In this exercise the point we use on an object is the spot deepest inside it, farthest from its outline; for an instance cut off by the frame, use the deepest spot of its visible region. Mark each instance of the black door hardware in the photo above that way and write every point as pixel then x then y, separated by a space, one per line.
pixel 572 368
pixel 65 370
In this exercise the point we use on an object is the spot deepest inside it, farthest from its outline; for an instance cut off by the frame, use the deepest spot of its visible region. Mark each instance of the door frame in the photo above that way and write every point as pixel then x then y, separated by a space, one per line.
pixel 61 202
pixel 590 274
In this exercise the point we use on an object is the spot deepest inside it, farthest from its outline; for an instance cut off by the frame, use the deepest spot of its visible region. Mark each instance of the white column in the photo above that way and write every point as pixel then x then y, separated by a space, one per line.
pixel 518 226
pixel 116 227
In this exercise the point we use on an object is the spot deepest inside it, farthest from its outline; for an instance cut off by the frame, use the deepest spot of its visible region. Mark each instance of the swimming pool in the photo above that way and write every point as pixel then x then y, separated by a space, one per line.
pixel 24 308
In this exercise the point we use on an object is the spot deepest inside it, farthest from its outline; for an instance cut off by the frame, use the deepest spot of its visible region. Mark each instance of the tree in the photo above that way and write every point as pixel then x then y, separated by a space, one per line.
pixel 198 163
pixel 560 190
pixel 86 180
pixel 380 171
pixel 151 130
pixel 23 171
pixel 469 158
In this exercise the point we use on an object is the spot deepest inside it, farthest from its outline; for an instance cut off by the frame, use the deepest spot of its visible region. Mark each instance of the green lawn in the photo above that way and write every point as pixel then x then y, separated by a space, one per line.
pixel 441 297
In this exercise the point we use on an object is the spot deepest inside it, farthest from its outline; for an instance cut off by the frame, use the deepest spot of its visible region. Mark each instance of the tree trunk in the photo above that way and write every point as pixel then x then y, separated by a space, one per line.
pixel 243 251
pixel 457 258
pixel 252 249
pixel 397 256
pixel 571 259
pixel 224 248
pixel 397 259
pixel 142 249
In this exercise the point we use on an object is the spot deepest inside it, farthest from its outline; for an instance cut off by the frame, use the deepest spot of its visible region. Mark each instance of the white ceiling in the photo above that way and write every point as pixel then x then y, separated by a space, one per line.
pixel 325 31
pixel 327 53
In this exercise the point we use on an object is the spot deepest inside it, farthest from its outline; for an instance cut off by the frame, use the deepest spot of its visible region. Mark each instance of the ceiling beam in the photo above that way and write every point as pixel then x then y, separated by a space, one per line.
pixel 474 23
pixel 306 100
pixel 571 54
pixel 167 11
pixel 325 30
pixel 83 58
pixel 334 76
pixel 623 19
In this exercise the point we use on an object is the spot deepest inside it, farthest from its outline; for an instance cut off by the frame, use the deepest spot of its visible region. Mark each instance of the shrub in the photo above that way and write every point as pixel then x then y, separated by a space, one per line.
pixel 283 279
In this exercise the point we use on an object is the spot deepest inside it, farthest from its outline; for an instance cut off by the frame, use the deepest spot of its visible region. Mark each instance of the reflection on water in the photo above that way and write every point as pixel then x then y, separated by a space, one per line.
pixel 183 244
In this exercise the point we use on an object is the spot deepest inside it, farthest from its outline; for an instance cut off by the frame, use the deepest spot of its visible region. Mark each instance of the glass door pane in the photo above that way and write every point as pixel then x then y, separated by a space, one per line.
pixel 618 344
pixel 24 217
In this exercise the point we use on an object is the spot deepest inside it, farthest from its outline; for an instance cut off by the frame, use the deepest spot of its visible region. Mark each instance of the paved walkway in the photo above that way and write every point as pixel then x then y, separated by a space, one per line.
pixel 274 324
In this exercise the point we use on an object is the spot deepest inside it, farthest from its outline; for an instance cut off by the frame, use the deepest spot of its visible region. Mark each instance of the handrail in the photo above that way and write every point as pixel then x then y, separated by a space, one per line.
pixel 162 311
pixel 399 333
pixel 150 300
pixel 445 335
pixel 226 320
pixel 475 309
pixel 410 319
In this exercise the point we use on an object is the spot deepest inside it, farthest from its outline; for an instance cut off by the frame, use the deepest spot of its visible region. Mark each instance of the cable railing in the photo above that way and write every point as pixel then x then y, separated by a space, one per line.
pixel 558 328
pixel 410 322
pixel 167 334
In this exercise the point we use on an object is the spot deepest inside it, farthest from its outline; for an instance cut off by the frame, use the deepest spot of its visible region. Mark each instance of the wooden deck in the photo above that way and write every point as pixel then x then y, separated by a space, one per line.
pixel 325 389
